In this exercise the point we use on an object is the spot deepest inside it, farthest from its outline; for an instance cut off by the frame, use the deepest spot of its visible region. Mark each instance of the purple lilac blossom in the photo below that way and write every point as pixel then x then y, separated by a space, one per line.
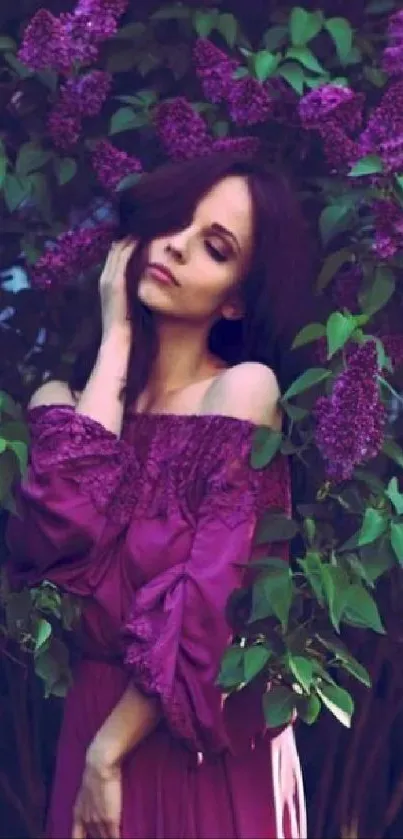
pixel 393 55
pixel 86 94
pixel 383 135
pixel 111 165
pixel 388 221
pixel 64 127
pixel 44 45
pixel 350 422
pixel 249 101
pixel 335 112
pixel 183 132
pixel 214 69
pixel 72 254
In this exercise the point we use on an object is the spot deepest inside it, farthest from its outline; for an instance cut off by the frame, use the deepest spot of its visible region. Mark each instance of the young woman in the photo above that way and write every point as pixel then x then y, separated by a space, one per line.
pixel 141 499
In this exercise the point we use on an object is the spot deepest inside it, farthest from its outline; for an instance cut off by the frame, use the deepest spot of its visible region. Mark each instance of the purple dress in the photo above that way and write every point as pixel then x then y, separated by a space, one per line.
pixel 152 529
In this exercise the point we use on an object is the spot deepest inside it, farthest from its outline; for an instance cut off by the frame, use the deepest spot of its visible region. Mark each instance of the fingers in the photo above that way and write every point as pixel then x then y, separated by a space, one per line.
pixel 79 831
pixel 117 259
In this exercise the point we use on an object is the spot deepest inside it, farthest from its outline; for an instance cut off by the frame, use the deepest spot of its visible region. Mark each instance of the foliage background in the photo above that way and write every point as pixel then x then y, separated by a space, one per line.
pixel 307 627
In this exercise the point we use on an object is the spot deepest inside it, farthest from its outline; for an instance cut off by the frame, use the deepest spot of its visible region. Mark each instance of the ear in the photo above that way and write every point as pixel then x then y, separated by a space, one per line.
pixel 232 310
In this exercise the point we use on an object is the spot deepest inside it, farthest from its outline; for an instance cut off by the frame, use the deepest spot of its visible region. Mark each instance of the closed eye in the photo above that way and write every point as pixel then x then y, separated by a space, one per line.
pixel 215 252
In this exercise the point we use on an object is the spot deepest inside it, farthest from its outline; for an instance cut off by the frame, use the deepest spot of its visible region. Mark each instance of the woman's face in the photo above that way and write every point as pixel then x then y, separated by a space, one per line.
pixel 195 273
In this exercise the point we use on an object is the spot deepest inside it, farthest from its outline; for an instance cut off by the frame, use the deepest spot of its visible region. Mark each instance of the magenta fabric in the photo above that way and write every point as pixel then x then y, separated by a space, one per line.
pixel 153 530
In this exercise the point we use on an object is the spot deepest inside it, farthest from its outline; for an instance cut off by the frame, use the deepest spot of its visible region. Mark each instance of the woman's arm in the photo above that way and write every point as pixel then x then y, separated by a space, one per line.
pixel 132 719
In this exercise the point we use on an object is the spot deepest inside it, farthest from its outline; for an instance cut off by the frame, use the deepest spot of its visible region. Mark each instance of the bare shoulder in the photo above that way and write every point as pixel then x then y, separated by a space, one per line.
pixel 248 391
pixel 52 393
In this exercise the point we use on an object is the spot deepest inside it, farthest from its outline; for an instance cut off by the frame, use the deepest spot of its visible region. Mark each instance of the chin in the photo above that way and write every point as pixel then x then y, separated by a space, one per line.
pixel 155 296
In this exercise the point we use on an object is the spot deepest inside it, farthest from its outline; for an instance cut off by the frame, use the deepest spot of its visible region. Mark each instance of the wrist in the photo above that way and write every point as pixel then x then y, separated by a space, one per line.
pixel 99 758
pixel 118 337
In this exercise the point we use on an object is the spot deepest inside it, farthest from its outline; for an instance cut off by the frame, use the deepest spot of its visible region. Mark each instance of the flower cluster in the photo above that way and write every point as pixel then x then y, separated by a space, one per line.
pixel 393 55
pixel 350 422
pixel 111 165
pixel 388 221
pixel 60 43
pixel 79 97
pixel 335 112
pixel 248 100
pixel 394 348
pixel 183 133
pixel 73 254
pixel 383 134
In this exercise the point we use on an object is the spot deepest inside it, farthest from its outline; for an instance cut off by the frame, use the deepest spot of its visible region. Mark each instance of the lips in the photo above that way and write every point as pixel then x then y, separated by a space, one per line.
pixel 161 273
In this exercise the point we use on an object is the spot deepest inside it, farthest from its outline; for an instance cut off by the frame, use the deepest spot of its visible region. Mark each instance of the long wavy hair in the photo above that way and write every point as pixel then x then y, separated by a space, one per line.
pixel 275 289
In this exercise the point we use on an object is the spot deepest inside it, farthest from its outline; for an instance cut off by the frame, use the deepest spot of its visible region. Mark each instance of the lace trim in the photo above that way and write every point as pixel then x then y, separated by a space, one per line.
pixel 161 463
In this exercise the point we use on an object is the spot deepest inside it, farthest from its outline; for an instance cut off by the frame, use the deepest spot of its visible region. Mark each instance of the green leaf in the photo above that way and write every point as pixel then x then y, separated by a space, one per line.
pixel 379 7
pixel 339 329
pixel 295 412
pixel 334 219
pixel 221 128
pixel 308 708
pixel 8 472
pixel 19 68
pixel 21 452
pixel 8 406
pixel 231 671
pixel 278 706
pixel 396 539
pixel 204 23
pixel 65 169
pixel 128 181
pixel 309 333
pixel 374 524
pixel 395 496
pixel 342 34
pixel 176 11
pixel 336 646
pixel 41 194
pixel 310 378
pixel 338 701
pixel 279 589
pixel 304 25
pixel 274 37
pixel 331 265
pixel 254 660
pixel 3 165
pixel 302 669
pixel 16 190
pixel 361 609
pixel 393 450
pixel 125 119
pixel 261 606
pixel 43 632
pixel 275 527
pixel 228 27
pixel 305 57
pixel 294 75
pixel 379 293
pixel 369 165
pixel 312 567
pixel 265 64
pixel 7 43
pixel 122 60
pixel 335 585
pixel 266 444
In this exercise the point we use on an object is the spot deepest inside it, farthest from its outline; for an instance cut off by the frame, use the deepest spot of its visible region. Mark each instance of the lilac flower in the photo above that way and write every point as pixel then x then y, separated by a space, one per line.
pixel 350 422
pixel 249 101
pixel 86 94
pixel 214 69
pixel 383 135
pixel 64 127
pixel 72 254
pixel 393 54
pixel 335 112
pixel 111 165
pixel 388 217
pixel 182 132
pixel 247 146
pixel 44 44
pixel 334 103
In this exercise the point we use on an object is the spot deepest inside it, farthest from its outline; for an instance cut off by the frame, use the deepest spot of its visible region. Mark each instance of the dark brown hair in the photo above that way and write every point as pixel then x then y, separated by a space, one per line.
pixel 275 289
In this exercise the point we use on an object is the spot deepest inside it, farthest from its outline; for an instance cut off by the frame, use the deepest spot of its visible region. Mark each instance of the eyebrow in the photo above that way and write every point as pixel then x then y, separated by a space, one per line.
pixel 218 228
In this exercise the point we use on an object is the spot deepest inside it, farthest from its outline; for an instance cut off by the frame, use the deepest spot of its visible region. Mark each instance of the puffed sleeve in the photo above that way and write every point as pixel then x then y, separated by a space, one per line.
pixel 78 478
pixel 177 630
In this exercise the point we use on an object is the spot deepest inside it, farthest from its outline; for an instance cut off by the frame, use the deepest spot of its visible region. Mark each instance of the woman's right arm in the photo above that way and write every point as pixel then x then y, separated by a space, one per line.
pixel 77 479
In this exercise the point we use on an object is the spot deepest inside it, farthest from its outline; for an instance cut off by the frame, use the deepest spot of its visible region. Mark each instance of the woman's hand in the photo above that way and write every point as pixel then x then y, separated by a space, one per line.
pixel 98 808
pixel 115 315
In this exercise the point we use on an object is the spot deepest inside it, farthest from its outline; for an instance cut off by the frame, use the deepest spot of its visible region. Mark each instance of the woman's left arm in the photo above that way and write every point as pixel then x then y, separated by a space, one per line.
pixel 99 801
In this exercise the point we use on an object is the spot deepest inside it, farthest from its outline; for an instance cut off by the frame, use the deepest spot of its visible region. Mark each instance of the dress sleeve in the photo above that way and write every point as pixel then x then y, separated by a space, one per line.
pixel 177 630
pixel 77 479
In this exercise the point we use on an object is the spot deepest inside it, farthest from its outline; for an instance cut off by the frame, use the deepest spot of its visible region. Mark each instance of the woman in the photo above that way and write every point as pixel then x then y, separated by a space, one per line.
pixel 140 498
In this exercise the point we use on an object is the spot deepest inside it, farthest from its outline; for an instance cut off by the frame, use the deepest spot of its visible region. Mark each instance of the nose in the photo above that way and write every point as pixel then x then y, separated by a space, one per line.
pixel 177 246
